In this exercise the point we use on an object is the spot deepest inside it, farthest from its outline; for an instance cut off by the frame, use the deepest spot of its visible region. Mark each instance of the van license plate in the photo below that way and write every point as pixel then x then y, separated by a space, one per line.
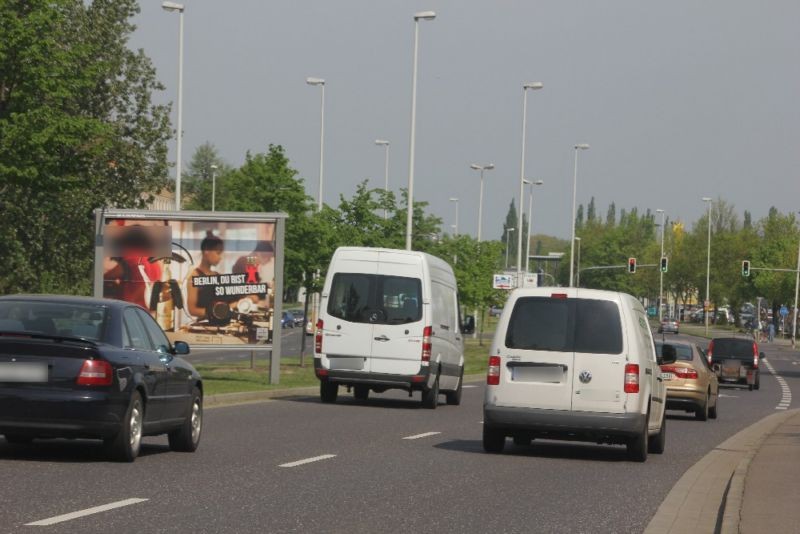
pixel 667 376
pixel 23 372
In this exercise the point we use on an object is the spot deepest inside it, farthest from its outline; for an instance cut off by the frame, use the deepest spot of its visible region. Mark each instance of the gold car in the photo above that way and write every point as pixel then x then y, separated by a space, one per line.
pixel 692 385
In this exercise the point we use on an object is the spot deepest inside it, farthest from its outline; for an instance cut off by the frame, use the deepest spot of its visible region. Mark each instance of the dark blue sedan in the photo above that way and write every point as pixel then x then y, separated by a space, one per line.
pixel 77 367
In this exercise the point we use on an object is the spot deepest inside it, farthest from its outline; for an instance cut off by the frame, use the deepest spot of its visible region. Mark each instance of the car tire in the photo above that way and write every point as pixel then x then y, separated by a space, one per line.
pixel 13 439
pixel 430 397
pixel 657 443
pixel 361 393
pixel 187 437
pixel 637 445
pixel 701 412
pixel 328 391
pixel 125 446
pixel 750 387
pixel 758 381
pixel 712 411
pixel 493 440
pixel 453 398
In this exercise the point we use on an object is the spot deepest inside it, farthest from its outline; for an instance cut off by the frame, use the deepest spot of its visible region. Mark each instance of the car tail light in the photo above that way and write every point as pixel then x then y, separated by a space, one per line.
pixel 318 337
pixel 631 378
pixel 755 356
pixel 493 375
pixel 710 352
pixel 95 373
pixel 685 373
pixel 426 344
pixel 558 296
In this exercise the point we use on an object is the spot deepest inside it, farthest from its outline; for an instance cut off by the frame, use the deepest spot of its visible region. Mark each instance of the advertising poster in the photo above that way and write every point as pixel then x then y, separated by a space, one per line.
pixel 206 282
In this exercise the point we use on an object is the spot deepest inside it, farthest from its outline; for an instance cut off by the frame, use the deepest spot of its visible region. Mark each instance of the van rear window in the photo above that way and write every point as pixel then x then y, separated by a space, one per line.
pixel 376 299
pixel 565 325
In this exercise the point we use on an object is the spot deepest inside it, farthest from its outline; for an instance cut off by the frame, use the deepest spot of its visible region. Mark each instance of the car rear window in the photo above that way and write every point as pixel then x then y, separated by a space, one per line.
pixel 52 318
pixel 376 299
pixel 737 349
pixel 565 325
pixel 683 352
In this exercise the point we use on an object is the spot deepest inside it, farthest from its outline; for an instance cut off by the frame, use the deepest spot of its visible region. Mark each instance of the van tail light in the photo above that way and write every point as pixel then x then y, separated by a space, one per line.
pixel 755 356
pixel 631 378
pixel 493 375
pixel 684 373
pixel 710 352
pixel 318 337
pixel 95 373
pixel 426 344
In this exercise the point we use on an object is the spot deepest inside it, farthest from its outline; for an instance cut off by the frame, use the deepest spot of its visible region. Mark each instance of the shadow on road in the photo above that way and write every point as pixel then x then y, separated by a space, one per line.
pixel 68 451
pixel 545 449
pixel 347 399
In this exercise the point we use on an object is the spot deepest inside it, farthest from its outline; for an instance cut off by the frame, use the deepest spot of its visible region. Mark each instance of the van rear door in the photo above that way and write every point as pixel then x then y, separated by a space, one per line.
pixel 348 318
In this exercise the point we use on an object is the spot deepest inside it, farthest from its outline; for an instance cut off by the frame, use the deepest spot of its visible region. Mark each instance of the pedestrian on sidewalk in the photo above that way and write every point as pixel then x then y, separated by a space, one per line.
pixel 771 332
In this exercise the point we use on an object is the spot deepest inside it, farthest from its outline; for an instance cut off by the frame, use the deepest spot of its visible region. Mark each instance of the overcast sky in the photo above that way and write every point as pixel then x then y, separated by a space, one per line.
pixel 678 99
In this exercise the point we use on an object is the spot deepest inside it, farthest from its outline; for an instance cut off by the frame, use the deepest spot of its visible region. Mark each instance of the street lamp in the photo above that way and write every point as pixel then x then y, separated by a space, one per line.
pixel 481 168
pixel 532 86
pixel 581 146
pixel 530 217
pixel 213 187
pixel 510 229
pixel 707 303
pixel 385 144
pixel 173 7
pixel 578 268
pixel 455 226
pixel 661 271
pixel 321 83
pixel 422 15
pixel 796 288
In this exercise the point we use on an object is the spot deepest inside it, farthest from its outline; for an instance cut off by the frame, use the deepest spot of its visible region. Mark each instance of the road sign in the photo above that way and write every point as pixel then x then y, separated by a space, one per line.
pixel 784 311
pixel 503 281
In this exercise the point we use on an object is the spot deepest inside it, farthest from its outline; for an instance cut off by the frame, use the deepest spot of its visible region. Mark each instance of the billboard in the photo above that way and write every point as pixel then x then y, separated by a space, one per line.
pixel 504 281
pixel 208 278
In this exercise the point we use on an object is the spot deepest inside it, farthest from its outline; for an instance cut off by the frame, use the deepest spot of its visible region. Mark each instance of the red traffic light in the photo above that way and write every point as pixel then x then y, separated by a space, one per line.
pixel 631 265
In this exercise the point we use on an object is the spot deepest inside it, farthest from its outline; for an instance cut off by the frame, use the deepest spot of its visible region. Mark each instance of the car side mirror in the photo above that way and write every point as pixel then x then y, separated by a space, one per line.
pixel 181 348
pixel 468 326
pixel 761 356
pixel 668 355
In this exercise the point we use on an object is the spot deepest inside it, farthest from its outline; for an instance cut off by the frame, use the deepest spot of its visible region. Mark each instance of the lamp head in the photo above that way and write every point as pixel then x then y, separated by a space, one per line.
pixel 172 6
pixel 454 199
pixel 532 85
pixel 425 15
pixel 315 81
pixel 381 142
pixel 706 199
pixel 581 146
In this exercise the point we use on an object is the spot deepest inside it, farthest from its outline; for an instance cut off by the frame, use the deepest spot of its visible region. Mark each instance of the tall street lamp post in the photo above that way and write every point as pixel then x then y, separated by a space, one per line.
pixel 530 219
pixel 481 168
pixel 455 226
pixel 581 146
pixel 532 86
pixel 174 7
pixel 213 188
pixel 385 145
pixel 707 303
pixel 422 15
pixel 796 287
pixel 321 83
pixel 661 271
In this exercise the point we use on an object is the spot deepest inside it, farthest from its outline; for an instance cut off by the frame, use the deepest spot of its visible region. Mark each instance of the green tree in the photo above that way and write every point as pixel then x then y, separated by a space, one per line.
pixel 204 169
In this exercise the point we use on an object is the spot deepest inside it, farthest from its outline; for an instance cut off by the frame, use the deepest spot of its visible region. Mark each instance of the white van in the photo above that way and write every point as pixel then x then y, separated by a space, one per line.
pixel 575 364
pixel 389 319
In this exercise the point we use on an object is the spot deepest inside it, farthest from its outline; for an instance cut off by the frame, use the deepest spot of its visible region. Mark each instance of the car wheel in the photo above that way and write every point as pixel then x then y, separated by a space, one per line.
pixel 750 387
pixel 124 447
pixel 701 412
pixel 328 391
pixel 637 445
pixel 493 440
pixel 657 443
pixel 758 381
pixel 18 440
pixel 430 397
pixel 187 437
pixel 712 411
pixel 453 398
pixel 361 392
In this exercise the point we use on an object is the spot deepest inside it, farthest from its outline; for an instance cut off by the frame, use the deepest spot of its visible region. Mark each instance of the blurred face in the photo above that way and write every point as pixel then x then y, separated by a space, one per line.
pixel 213 256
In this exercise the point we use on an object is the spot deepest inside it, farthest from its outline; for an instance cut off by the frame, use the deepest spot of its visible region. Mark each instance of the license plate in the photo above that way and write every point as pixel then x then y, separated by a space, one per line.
pixel 23 372
pixel 667 376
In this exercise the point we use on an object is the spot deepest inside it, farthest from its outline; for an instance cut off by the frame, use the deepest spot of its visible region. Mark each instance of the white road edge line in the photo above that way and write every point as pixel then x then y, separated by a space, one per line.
pixel 468 387
pixel 425 435
pixel 82 513
pixel 308 460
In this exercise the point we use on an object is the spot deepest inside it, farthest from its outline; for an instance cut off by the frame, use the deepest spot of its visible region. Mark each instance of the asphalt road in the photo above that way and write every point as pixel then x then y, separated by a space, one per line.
pixel 367 475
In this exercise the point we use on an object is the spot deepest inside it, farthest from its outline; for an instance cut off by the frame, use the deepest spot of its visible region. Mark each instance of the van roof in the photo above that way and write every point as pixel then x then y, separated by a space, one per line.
pixel 570 292
pixel 383 254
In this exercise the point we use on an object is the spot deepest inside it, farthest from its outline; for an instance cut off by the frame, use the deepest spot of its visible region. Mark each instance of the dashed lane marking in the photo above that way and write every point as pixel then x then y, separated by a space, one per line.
pixel 424 435
pixel 308 460
pixel 468 387
pixel 786 393
pixel 83 513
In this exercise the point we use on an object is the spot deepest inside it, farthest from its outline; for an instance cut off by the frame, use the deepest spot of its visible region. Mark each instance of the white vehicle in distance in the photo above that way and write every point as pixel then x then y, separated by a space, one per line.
pixel 575 364
pixel 389 319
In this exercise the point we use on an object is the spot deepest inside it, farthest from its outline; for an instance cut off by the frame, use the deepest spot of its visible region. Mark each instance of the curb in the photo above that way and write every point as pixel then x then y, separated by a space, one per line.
pixel 708 497
pixel 249 397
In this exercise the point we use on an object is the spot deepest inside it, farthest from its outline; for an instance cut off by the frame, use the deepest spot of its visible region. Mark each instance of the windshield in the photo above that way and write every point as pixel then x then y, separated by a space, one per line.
pixel 52 318
pixel 565 325
pixel 683 352
pixel 377 299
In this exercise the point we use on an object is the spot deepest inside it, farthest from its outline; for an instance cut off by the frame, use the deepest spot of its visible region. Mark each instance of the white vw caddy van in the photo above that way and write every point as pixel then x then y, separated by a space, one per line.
pixel 389 319
pixel 574 364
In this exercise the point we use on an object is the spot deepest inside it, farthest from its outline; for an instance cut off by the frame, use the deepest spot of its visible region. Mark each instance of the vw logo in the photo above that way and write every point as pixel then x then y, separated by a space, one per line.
pixel 585 377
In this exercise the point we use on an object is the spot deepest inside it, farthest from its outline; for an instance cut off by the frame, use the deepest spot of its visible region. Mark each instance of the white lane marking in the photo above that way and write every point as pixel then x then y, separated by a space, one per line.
pixel 425 435
pixel 82 513
pixel 786 392
pixel 308 460
pixel 468 387
pixel 729 396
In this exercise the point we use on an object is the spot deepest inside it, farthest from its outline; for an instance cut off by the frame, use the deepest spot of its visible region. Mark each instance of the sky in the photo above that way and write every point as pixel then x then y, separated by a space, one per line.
pixel 678 100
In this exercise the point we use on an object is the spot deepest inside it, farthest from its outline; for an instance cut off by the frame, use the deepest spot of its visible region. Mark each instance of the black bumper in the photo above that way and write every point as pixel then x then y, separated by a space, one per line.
pixel 561 424
pixel 377 381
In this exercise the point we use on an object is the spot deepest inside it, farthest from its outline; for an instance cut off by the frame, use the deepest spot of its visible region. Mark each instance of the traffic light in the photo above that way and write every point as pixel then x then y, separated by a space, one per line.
pixel 631 265
pixel 664 264
pixel 745 268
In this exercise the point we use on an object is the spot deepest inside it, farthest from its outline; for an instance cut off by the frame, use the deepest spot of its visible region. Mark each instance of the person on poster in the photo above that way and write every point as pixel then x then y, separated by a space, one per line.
pixel 199 299
pixel 259 266
pixel 129 276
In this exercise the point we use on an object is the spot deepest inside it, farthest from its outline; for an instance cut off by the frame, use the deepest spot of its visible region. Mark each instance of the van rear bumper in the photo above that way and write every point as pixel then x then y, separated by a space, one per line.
pixel 376 381
pixel 562 424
